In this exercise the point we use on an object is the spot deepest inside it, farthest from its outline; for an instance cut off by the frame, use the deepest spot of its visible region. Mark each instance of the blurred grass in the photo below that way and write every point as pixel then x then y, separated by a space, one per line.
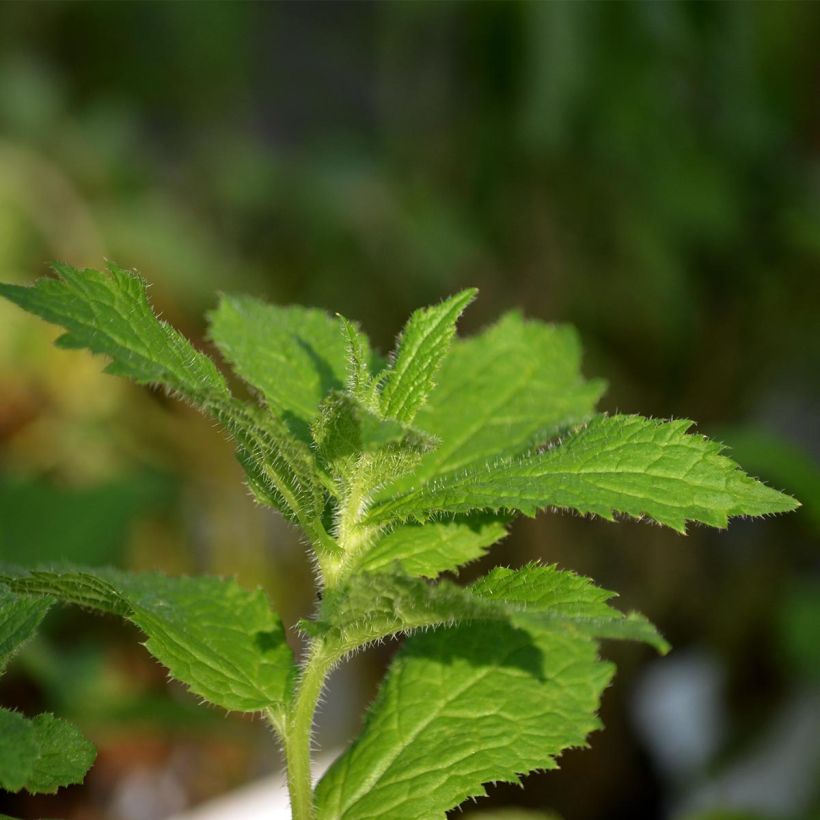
pixel 646 171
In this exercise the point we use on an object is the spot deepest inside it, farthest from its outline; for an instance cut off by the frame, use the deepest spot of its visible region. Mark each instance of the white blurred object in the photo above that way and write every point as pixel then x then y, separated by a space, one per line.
pixel 778 776
pixel 266 799
pixel 678 712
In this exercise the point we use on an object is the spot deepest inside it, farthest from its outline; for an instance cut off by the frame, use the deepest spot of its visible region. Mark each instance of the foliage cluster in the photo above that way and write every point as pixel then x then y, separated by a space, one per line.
pixel 396 471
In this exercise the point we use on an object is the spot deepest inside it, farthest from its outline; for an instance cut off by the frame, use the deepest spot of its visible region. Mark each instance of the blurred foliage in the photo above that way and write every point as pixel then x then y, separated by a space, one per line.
pixel 646 171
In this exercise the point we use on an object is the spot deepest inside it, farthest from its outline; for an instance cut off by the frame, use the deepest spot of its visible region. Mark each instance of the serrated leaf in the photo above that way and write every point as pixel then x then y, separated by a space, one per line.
pixel 361 366
pixel 41 755
pixel 462 707
pixel 292 355
pixel 437 546
pixel 422 345
pixel 222 641
pixel 619 464
pixel 109 313
pixel 503 391
pixel 547 597
pixel 20 615
pixel 373 606
pixel 64 758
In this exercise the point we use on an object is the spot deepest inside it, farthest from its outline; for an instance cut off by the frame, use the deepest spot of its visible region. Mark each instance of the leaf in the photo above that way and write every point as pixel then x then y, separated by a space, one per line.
pixel 625 464
pixel 292 355
pixel 345 428
pixel 20 615
pixel 508 389
pixel 221 640
pixel 64 758
pixel 462 707
pixel 373 606
pixel 41 755
pixel 109 313
pixel 422 345
pixel 437 546
pixel 18 750
pixel 361 365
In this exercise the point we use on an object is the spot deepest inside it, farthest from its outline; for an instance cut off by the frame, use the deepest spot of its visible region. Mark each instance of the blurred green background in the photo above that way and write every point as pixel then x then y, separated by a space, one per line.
pixel 646 171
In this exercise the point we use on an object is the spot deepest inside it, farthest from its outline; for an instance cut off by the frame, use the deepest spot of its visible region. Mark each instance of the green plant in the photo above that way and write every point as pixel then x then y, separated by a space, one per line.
pixel 396 472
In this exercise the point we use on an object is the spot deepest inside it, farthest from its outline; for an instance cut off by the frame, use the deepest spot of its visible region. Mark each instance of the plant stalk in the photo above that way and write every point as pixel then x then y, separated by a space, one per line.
pixel 299 726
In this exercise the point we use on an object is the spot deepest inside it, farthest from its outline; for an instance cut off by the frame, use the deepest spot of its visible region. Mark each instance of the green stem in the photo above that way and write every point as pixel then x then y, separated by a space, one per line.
pixel 298 732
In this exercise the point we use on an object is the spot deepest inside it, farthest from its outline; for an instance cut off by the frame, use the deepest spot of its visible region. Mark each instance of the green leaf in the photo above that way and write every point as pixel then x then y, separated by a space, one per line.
pixel 422 345
pixel 41 755
pixel 109 313
pixel 18 750
pixel 20 615
pixel 620 464
pixel 346 428
pixel 361 365
pixel 373 606
pixel 484 702
pixel 503 391
pixel 219 639
pixel 292 355
pixel 436 547
pixel 546 597
pixel 64 758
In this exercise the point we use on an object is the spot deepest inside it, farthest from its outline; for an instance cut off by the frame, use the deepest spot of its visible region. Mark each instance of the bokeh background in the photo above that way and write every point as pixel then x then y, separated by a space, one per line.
pixel 646 171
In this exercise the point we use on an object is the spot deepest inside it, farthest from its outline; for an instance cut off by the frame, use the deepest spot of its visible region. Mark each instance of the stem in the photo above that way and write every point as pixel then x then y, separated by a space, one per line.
pixel 297 737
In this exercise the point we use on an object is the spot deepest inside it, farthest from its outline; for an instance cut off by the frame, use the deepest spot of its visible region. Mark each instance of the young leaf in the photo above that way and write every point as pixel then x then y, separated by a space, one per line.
pixel 361 364
pixel 437 546
pixel 219 639
pixel 620 464
pixel 462 707
pixel 370 607
pixel 346 429
pixel 422 345
pixel 20 615
pixel 41 755
pixel 508 389
pixel 292 355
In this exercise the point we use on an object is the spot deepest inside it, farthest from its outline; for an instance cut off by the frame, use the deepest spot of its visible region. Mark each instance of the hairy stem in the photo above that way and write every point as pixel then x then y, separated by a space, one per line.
pixel 299 724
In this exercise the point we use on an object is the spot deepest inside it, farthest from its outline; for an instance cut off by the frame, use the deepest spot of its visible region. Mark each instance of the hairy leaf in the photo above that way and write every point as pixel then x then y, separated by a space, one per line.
pixel 620 464
pixel 109 313
pixel 219 639
pixel 41 755
pixel 373 606
pixel 346 428
pixel 421 347
pixel 462 707
pixel 510 388
pixel 20 615
pixel 292 355
pixel 436 547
